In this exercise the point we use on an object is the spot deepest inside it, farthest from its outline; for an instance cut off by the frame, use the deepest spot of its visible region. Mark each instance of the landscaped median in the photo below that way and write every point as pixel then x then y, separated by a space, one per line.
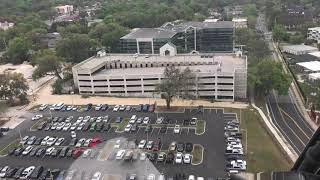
pixel 12 145
pixel 201 127
pixel 197 154
pixel 122 125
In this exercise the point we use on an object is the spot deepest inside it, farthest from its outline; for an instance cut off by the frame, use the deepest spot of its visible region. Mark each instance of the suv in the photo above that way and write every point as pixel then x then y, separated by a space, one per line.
pixel 156 145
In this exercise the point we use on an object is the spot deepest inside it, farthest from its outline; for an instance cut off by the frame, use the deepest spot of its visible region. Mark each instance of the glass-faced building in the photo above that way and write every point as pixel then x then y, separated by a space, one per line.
pixel 204 37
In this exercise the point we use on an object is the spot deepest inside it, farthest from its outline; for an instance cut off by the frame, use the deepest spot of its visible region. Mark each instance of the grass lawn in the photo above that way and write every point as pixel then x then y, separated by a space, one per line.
pixel 11 146
pixel 123 125
pixel 201 127
pixel 263 154
pixel 197 154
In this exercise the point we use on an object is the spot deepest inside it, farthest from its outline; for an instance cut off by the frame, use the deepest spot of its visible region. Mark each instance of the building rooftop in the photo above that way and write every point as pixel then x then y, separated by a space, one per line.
pixel 228 62
pixel 239 20
pixel 316 54
pixel 299 47
pixel 311 66
pixel 170 29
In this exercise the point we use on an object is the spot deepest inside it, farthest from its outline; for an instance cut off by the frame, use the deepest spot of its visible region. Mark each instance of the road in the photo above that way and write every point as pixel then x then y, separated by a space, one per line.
pixel 283 109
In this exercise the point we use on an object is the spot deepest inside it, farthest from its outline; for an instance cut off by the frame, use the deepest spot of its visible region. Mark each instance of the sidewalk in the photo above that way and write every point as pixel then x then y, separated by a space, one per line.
pixel 44 96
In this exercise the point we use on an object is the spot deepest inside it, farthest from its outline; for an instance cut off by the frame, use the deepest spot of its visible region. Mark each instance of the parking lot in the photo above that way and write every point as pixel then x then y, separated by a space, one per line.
pixel 103 156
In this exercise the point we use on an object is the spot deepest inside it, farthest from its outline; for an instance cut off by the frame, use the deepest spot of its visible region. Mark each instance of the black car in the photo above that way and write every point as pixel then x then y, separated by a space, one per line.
pixel 48 126
pixel 73 142
pixel 55 173
pixel 45 174
pixel 232 157
pixel 134 128
pixel 18 173
pixel 104 107
pixel 34 151
pixel 153 156
pixel 189 147
pixel 55 119
pixel 63 152
pixel 107 127
pixel 36 172
pixel 41 125
pixel 41 152
pixel 166 121
pixel 145 108
pixel 86 126
pixel 139 107
pixel 69 153
pixel 18 151
pixel 180 147
pixel 170 157
pixel 186 122
pixel 163 129
pixel 55 152
pixel 10 173
pixel 99 127
pixel 88 107
pixel 38 141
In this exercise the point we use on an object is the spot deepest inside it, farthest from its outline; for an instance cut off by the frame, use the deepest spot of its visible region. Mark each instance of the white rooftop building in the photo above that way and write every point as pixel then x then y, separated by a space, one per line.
pixel 222 77
pixel 298 49
pixel 240 22
pixel 314 76
pixel 313 66
pixel 314 34
pixel 6 25
pixel 65 9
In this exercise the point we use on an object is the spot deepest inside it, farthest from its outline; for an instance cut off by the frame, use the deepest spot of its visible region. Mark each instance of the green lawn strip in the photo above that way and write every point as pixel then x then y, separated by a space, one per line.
pixel 123 125
pixel 197 154
pixel 9 147
pixel 263 153
pixel 200 127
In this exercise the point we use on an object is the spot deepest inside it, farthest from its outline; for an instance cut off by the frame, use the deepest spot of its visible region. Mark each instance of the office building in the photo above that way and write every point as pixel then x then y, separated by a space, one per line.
pixel 203 37
pixel 314 34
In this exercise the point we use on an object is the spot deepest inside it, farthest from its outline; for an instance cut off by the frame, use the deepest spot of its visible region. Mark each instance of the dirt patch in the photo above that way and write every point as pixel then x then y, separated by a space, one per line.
pixel 163 109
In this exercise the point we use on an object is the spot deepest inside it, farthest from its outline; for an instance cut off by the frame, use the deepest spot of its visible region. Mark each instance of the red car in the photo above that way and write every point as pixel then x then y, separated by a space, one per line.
pixel 94 142
pixel 151 108
pixel 77 152
pixel 156 145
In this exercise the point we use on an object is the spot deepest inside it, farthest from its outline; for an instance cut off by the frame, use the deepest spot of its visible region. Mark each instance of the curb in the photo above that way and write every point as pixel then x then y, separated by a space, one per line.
pixel 199 134
pixel 195 164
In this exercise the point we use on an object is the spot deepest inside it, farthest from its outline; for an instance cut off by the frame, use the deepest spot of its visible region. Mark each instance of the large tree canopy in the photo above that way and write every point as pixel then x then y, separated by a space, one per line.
pixel 47 62
pixel 18 50
pixel 176 83
pixel 13 85
pixel 267 75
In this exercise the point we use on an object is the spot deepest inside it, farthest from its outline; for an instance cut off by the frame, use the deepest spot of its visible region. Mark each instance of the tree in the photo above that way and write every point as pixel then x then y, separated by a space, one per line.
pixel 176 83
pixel 47 62
pixel 267 75
pixel 13 85
pixel 257 49
pixel 279 33
pixel 76 47
pixel 18 50
pixel 296 39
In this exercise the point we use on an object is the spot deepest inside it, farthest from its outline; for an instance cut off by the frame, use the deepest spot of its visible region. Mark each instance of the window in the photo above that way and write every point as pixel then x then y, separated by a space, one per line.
pixel 226 77
pixel 100 86
pixel 116 80
pixel 84 80
pixel 117 92
pixel 146 79
pixel 85 86
pixel 225 83
pixel 116 85
pixel 134 91
pixel 230 90
pixel 83 74
pixel 104 80
pixel 133 85
pixel 133 79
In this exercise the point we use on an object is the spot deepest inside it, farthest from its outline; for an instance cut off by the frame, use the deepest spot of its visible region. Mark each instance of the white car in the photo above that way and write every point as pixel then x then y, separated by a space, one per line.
pixel 98 107
pixel 176 129
pixel 122 108
pixel 146 120
pixel 96 176
pixel 37 117
pixel 87 143
pixel 191 177
pixel 120 154
pixel 45 140
pixel 73 134
pixel 52 107
pixel 151 177
pixel 173 146
pixel 69 108
pixel 66 127
pixel 27 172
pixel 80 142
pixel 149 144
pixel 105 119
pixel 4 171
pixel 49 151
pixel 51 141
pixel 59 142
pixel 43 107
pixel 160 120
pixel 117 145
pixel 116 108
pixel 70 175
pixel 133 119
pixel 60 126
pixel 200 178
pixel 127 128
pixel 187 159
pixel 178 159
pixel 27 150
pixel 86 153
pixel 143 156
pixel 142 144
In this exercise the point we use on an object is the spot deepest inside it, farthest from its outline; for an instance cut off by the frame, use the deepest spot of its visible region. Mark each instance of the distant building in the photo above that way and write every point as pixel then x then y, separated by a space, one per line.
pixel 65 9
pixel 293 16
pixel 233 11
pixel 240 22
pixel 298 49
pixel 50 40
pixel 6 25
pixel 314 34
pixel 203 37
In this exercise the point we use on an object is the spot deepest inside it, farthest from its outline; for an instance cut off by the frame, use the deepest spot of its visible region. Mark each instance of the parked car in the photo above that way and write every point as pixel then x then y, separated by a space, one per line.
pixel 160 120
pixel 161 157
pixel 3 171
pixel 193 121
pixel 104 107
pixel 176 129
pixel 151 108
pixel 156 145
pixel 41 152
pixel 120 154
pixel 63 152
pixel 11 172
pixel 133 119
pixel 36 172
pixel 134 128
pixel 18 151
pixel 118 119
pixel 189 147
pixel 180 147
pixel 116 108
pixel 163 129
pixel 170 157
pixel 122 108
pixel 27 150
pixel 18 173
pixel 139 107
pixel 148 129
pixel 96 176
pixel 37 117
pixel 187 159
pixel 77 152
pixel 31 140
pixel 179 158
pixel 142 144
pixel 88 107
pixel 27 172
pixel 145 108
pixel 127 128
pixel 172 146
pixel 146 120
pixel 128 108
pixel 98 107
pixel 49 151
